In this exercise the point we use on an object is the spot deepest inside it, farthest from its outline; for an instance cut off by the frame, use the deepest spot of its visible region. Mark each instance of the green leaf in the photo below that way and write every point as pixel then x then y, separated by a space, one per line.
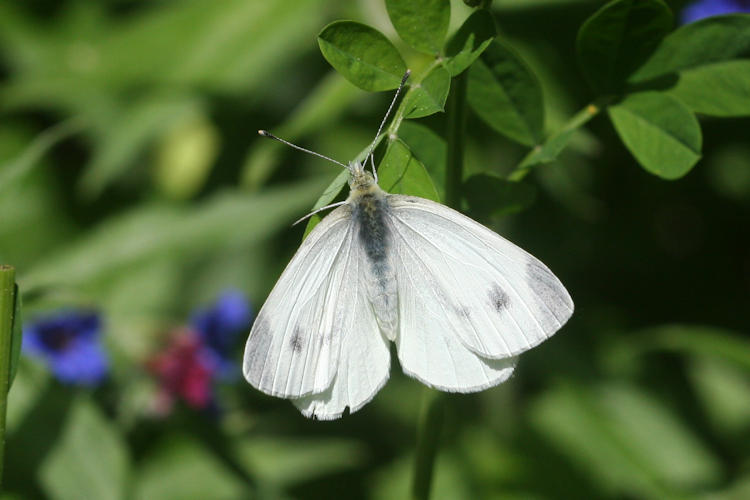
pixel 660 131
pixel 428 96
pixel 421 23
pixel 711 40
pixel 363 55
pixel 401 173
pixel 618 38
pixel 138 52
pixel 625 440
pixel 724 390
pixel 474 35
pixel 451 481
pixel 503 91
pixel 16 168
pixel 16 336
pixel 702 341
pixel 90 459
pixel 32 380
pixel 155 230
pixel 286 462
pixel 330 193
pixel 719 89
pixel 487 195
pixel 182 469
pixel 428 147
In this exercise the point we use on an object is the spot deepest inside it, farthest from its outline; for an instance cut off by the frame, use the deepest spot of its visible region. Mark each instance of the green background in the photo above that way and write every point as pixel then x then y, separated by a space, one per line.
pixel 132 179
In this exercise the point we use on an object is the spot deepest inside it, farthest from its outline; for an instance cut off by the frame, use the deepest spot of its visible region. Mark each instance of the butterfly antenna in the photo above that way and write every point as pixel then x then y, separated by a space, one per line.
pixel 266 133
pixel 385 119
pixel 337 204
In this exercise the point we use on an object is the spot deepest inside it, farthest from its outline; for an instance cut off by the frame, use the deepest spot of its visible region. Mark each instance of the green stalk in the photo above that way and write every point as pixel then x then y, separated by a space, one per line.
pixel 433 405
pixel 558 140
pixel 7 304
pixel 428 437
pixel 454 166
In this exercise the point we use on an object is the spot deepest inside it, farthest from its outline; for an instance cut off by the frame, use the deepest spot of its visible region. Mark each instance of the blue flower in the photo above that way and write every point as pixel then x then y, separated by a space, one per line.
pixel 68 341
pixel 707 8
pixel 219 326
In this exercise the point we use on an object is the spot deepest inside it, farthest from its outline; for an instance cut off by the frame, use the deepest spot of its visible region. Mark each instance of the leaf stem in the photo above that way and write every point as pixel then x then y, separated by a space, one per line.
pixel 454 164
pixel 7 305
pixel 428 437
pixel 556 142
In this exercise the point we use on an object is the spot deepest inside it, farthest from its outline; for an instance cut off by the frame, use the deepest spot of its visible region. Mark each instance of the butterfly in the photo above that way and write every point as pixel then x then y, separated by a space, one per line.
pixel 459 301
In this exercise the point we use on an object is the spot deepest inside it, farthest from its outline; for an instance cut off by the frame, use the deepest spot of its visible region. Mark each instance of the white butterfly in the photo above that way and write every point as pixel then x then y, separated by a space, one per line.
pixel 459 301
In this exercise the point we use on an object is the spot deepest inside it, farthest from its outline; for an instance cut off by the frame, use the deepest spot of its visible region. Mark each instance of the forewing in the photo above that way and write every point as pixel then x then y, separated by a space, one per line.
pixel 496 298
pixel 364 360
pixel 293 347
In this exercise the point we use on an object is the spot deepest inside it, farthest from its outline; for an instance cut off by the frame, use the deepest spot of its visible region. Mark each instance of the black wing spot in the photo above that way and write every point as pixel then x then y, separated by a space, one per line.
pixel 297 342
pixel 499 300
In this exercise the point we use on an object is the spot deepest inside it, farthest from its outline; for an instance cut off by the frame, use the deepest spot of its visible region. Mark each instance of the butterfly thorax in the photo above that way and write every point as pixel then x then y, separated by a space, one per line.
pixel 371 214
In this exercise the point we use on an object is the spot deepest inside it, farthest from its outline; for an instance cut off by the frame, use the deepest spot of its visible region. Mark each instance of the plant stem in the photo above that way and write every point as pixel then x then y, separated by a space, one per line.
pixel 433 405
pixel 454 164
pixel 428 437
pixel 556 142
pixel 7 304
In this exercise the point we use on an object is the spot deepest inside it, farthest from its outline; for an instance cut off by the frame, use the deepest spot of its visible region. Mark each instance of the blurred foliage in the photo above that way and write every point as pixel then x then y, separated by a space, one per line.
pixel 132 181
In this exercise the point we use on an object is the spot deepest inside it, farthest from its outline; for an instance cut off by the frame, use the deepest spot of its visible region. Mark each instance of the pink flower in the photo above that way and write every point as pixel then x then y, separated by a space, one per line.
pixel 185 371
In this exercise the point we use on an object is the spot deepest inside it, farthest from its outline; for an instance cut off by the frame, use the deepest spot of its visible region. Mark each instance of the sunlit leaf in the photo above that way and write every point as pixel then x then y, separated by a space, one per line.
pixel 428 147
pixel 421 23
pixel 401 172
pixel 719 89
pixel 90 459
pixel 710 40
pixel 363 55
pixel 660 131
pixel 428 96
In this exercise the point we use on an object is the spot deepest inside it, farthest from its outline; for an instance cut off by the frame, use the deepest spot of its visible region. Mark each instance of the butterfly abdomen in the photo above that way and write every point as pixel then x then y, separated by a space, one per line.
pixel 370 213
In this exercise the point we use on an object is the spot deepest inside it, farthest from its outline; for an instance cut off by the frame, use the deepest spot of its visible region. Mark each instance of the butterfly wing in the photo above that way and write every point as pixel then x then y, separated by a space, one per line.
pixel 293 347
pixel 364 360
pixel 469 300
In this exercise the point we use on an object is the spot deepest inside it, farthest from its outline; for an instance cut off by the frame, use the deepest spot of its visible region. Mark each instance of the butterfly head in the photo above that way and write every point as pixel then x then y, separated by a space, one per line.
pixel 360 179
